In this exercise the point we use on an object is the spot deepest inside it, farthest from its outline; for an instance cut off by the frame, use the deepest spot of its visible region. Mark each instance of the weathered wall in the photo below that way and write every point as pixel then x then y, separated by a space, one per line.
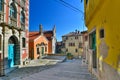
pixel 106 16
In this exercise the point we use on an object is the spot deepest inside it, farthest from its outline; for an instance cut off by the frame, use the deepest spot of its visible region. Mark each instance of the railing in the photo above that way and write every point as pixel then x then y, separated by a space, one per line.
pixel 13 21
pixel 1 17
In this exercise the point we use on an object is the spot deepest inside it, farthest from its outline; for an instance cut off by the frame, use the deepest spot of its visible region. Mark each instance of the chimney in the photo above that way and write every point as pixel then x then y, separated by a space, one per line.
pixel 40 29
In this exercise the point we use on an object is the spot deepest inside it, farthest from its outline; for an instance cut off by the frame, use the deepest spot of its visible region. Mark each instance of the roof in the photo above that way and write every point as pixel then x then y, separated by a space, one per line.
pixel 72 34
pixel 34 35
pixel 84 32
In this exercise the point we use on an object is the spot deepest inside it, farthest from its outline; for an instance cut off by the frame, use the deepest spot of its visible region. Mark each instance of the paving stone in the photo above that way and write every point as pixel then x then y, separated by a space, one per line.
pixel 69 70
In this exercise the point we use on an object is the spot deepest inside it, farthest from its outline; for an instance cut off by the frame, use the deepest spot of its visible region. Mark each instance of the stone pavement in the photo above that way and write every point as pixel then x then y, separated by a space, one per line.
pixel 69 70
pixel 35 66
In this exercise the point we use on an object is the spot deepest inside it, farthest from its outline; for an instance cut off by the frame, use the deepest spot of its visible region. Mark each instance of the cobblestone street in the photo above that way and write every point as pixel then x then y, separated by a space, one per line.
pixel 69 70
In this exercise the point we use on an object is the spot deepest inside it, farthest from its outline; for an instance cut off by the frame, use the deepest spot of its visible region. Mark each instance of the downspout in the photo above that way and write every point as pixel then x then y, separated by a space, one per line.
pixel 2 65
pixel 3 32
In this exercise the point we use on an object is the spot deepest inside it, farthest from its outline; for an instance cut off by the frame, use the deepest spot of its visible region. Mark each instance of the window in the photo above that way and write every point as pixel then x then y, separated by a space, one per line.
pixel 0 41
pixel 45 49
pixel 71 44
pixel 86 38
pixel 66 37
pixel 22 17
pixel 13 11
pixel 80 45
pixel 66 50
pixel 86 2
pixel 102 33
pixel 76 50
pixel 63 45
pixel 1 5
pixel 23 42
pixel 76 37
pixel 38 52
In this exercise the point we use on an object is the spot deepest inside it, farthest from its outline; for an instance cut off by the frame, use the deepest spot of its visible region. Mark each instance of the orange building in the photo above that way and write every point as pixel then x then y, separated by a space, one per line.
pixel 41 43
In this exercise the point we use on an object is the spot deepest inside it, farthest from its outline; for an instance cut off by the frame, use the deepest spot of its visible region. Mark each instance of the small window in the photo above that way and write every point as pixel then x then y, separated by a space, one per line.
pixel 80 45
pixel 66 50
pixel 45 49
pixel 1 5
pixel 38 52
pixel 22 17
pixel 102 33
pixel 86 38
pixel 76 50
pixel 76 37
pixel 23 42
pixel 86 2
pixel 13 11
pixel 66 38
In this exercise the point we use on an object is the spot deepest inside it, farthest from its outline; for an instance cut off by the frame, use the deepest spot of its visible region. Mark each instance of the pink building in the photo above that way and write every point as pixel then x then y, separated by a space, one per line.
pixel 14 27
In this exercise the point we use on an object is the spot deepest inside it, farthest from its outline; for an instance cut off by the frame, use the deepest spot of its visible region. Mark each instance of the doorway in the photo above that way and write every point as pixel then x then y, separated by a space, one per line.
pixel 13 51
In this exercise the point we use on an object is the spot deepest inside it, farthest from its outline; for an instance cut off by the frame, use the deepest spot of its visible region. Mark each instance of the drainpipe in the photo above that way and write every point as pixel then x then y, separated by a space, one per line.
pixel 2 65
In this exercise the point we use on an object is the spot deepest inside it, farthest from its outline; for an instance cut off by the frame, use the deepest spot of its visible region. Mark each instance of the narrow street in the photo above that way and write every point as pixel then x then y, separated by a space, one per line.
pixel 69 70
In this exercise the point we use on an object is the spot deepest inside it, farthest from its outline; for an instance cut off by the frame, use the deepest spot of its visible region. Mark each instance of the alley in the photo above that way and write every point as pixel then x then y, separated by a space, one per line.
pixel 69 70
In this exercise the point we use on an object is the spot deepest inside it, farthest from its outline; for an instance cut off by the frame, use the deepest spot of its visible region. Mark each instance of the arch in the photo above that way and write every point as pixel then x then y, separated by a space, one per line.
pixel 13 10
pixel 13 40
pixel 13 51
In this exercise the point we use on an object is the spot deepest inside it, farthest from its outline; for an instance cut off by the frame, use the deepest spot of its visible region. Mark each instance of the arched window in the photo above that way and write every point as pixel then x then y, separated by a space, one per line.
pixel 1 5
pixel 22 17
pixel 13 11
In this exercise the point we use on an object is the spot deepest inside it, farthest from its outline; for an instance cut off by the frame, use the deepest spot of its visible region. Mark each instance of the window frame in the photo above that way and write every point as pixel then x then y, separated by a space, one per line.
pixel 102 33
pixel 13 11
pixel 1 5
pixel 22 17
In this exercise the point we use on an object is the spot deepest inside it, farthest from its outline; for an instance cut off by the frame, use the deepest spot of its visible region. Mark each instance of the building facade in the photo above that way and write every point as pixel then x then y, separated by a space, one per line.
pixel 85 45
pixel 59 47
pixel 42 43
pixel 14 27
pixel 73 43
pixel 102 20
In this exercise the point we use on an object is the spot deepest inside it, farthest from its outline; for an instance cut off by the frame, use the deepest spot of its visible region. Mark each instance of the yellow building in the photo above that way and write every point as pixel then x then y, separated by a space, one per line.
pixel 102 18
pixel 73 43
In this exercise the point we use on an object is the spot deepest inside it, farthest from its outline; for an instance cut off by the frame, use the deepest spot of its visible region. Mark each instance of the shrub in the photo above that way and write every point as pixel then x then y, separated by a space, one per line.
pixel 69 56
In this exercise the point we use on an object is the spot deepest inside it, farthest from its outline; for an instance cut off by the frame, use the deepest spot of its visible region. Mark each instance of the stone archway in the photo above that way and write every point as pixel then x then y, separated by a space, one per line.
pixel 13 51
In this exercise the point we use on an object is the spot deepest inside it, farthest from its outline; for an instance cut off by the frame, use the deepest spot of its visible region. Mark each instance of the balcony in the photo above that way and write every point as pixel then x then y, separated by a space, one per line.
pixel 13 22
pixel 1 16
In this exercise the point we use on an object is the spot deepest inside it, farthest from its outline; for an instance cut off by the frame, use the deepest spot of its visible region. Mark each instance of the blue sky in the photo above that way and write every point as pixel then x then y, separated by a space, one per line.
pixel 50 13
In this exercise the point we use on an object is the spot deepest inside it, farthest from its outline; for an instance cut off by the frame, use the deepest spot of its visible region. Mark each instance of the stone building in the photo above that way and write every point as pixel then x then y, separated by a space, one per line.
pixel 73 43
pixel 14 27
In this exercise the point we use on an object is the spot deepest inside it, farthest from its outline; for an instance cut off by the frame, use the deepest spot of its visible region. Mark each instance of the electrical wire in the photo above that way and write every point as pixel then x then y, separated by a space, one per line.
pixel 69 6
